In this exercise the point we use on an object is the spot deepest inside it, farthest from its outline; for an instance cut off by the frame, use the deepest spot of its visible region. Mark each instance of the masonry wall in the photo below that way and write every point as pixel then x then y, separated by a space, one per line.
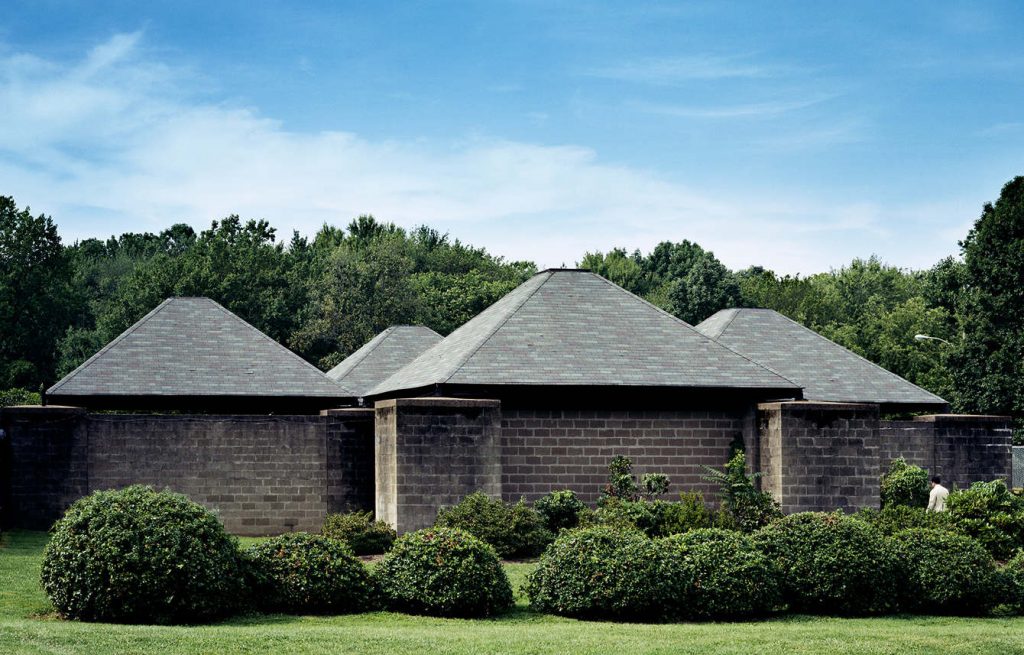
pixel 820 456
pixel 261 474
pixel 431 453
pixel 545 450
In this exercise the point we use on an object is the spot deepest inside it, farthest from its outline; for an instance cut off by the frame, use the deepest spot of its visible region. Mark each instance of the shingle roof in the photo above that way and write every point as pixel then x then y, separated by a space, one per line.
pixel 571 327
pixel 826 370
pixel 383 355
pixel 195 347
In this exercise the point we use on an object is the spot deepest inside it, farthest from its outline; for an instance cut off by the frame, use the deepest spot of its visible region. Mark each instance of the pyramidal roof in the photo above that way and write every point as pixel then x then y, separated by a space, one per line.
pixel 195 347
pixel 572 327
pixel 826 370
pixel 383 355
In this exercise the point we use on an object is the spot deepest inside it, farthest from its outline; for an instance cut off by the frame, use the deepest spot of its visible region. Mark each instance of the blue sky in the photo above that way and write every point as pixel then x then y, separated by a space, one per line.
pixel 794 135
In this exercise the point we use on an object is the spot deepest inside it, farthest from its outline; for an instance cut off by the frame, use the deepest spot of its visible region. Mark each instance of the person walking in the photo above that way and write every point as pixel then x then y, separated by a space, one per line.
pixel 937 497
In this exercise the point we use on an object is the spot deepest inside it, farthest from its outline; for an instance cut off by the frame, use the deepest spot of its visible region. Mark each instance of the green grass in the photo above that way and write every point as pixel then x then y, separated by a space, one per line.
pixel 27 625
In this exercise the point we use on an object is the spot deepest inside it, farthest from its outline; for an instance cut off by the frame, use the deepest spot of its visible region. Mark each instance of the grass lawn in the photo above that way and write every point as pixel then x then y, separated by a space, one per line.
pixel 27 625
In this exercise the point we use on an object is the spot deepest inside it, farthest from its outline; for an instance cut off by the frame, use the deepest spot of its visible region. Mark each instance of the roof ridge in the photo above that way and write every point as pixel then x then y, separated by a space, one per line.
pixel 695 330
pixel 498 326
pixel 863 359
pixel 358 358
pixel 116 340
pixel 275 342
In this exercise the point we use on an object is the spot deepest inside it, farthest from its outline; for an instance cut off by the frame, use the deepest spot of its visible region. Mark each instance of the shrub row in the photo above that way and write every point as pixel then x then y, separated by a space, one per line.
pixel 811 563
pixel 141 556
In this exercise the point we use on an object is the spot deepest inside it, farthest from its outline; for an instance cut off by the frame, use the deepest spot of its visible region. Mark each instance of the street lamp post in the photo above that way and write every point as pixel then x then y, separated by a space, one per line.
pixel 925 337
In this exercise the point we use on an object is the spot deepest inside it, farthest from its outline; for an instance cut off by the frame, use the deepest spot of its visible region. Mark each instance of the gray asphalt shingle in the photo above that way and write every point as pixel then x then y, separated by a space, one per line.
pixel 383 355
pixel 195 347
pixel 570 327
pixel 826 370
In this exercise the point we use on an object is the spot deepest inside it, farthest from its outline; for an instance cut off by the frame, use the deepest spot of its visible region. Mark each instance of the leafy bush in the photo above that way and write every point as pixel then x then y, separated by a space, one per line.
pixel 719 574
pixel 627 515
pixel 832 564
pixel 141 556
pixel 560 510
pixel 622 485
pixel 689 513
pixel 988 512
pixel 905 484
pixel 896 518
pixel 443 572
pixel 1013 575
pixel 362 534
pixel 945 573
pixel 749 508
pixel 17 396
pixel 307 573
pixel 514 530
pixel 600 572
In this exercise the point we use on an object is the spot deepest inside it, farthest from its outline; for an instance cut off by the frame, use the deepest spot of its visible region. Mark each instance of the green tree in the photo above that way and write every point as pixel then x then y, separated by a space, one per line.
pixel 37 300
pixel 988 362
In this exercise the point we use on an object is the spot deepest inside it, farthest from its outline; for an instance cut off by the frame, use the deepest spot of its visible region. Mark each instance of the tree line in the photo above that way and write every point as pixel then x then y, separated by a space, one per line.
pixel 325 296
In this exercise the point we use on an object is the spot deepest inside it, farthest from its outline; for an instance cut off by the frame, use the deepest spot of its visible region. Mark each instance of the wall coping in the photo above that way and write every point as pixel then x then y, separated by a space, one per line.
pixel 349 412
pixel 813 404
pixel 432 401
pixel 962 418
pixel 40 410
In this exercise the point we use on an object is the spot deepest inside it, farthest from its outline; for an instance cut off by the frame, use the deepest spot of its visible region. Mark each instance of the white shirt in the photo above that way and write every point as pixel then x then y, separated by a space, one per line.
pixel 937 499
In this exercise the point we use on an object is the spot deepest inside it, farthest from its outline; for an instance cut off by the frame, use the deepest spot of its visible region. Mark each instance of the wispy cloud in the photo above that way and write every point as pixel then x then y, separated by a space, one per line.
pixel 118 142
pixel 676 70
pixel 768 109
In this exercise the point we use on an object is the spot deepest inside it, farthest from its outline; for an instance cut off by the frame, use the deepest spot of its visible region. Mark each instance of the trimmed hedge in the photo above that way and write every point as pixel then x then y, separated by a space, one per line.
pixel 443 572
pixel 302 573
pixel 990 513
pixel 897 518
pixel 719 574
pixel 602 573
pixel 362 534
pixel 832 564
pixel 513 530
pixel 141 556
pixel 946 573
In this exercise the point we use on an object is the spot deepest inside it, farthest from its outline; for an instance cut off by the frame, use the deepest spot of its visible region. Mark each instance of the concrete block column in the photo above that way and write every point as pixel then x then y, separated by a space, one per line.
pixel 819 456
pixel 430 453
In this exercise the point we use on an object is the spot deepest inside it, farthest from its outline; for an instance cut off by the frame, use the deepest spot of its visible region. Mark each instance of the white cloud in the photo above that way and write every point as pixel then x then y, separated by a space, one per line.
pixel 117 143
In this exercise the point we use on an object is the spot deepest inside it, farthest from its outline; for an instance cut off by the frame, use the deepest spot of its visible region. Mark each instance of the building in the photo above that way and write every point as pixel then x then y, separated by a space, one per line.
pixel 536 393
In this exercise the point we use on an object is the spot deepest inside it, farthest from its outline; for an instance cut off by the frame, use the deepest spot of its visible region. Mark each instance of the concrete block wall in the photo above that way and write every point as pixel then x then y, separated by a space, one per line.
pixel 261 474
pixel 545 450
pixel 820 456
pixel 431 453
pixel 914 441
pixel 350 461
pixel 44 464
pixel 971 448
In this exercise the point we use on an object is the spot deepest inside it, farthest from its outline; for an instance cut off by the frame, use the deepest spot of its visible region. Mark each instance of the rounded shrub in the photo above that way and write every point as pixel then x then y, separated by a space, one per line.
pixel 719 574
pixel 946 573
pixel 905 484
pixel 141 556
pixel 513 530
pixel 362 534
pixel 600 572
pixel 560 510
pixel 443 572
pixel 831 564
pixel 304 573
